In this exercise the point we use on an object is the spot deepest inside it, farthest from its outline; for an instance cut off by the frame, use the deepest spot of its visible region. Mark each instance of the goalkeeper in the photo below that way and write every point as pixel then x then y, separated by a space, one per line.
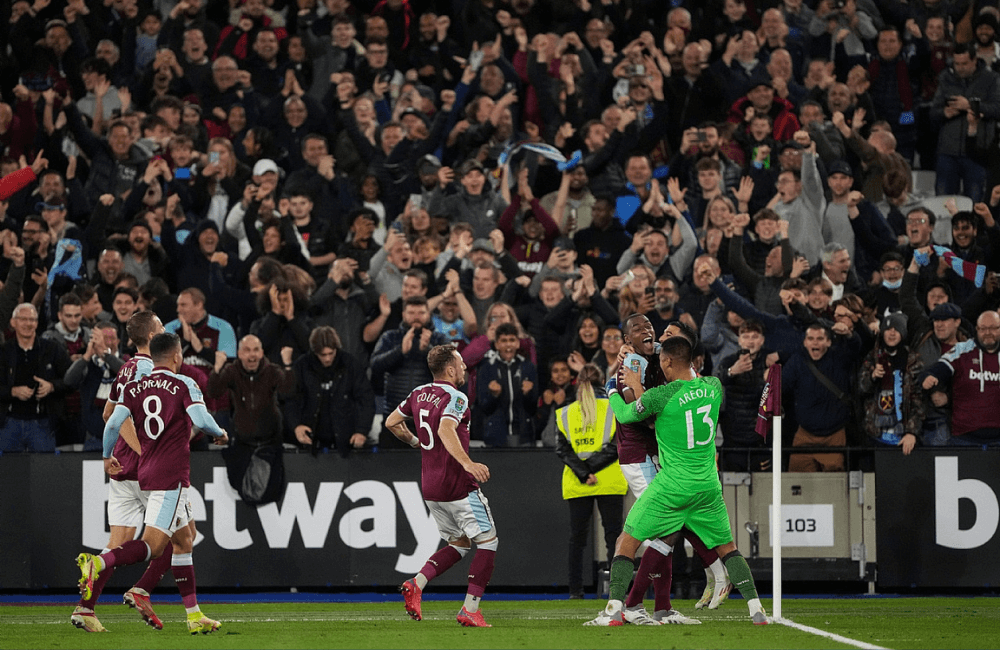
pixel 687 491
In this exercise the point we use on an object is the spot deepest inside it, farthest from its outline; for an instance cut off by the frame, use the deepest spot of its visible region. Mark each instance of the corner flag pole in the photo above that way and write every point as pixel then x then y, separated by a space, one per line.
pixel 776 515
pixel 769 421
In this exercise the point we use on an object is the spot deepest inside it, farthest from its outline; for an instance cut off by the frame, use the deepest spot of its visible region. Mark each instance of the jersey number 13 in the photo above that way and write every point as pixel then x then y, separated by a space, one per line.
pixel 706 411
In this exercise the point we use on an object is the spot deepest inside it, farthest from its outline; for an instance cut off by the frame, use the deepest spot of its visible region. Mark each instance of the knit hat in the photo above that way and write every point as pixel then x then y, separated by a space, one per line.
pixel 895 321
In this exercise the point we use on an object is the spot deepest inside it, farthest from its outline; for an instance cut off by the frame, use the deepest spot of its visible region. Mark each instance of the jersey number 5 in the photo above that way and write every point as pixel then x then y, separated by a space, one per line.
pixel 422 423
pixel 707 411
pixel 153 406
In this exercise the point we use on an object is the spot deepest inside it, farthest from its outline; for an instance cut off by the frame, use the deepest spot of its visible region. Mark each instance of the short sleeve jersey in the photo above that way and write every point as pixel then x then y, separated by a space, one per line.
pixel 686 424
pixel 137 367
pixel 636 441
pixel 442 478
pixel 158 404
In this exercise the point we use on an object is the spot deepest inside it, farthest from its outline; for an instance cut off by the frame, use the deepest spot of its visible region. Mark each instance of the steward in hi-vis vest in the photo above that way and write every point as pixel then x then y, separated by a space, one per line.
pixel 592 475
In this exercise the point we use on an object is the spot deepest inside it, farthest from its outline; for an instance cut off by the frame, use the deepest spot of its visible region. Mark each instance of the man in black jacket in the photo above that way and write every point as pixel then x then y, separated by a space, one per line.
pixel 742 375
pixel 31 385
pixel 334 405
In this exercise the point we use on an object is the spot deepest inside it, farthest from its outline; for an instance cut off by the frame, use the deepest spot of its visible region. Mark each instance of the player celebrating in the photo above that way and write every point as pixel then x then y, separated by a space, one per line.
pixel 163 406
pixel 126 502
pixel 687 492
pixel 638 456
pixel 449 482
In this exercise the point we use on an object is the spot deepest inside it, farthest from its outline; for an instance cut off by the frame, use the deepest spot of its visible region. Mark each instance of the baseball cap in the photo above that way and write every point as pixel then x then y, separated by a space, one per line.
pixel 790 144
pixel 840 167
pixel 263 166
pixel 762 82
pixel 429 164
pixel 564 243
pixel 470 165
pixel 946 311
pixel 483 244
pixel 410 110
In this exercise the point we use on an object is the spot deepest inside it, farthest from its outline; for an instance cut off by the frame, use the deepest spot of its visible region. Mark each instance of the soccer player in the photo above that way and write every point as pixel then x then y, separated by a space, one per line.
pixel 639 459
pixel 126 502
pixel 449 481
pixel 163 406
pixel 687 491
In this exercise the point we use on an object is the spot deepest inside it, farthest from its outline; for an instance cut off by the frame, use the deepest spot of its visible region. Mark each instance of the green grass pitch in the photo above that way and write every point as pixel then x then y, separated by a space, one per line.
pixel 886 622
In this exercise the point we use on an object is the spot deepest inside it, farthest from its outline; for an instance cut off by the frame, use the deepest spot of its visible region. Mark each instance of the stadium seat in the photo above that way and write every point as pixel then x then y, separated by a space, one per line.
pixel 923 181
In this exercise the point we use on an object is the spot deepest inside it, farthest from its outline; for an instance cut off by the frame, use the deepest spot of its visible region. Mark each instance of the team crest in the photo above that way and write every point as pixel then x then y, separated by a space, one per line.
pixel 634 365
pixel 459 403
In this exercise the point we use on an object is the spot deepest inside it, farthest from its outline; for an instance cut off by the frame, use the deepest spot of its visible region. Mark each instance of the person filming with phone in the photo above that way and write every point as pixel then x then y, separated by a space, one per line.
pixel 968 84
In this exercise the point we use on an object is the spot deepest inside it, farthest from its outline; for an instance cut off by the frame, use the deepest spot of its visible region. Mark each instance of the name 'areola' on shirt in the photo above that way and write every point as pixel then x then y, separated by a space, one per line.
pixel 698 393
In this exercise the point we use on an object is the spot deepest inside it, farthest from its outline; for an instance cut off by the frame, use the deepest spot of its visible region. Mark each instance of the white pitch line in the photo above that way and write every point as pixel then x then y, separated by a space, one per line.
pixel 828 635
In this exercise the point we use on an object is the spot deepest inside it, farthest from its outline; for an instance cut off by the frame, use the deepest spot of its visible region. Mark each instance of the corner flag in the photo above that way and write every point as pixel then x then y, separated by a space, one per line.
pixel 770 400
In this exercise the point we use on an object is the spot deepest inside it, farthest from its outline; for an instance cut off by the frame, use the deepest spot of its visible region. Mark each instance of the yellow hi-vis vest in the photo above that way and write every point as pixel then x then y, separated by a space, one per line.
pixel 585 443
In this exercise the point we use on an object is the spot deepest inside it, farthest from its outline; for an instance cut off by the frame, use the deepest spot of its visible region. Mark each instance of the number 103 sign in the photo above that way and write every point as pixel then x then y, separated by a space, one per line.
pixel 805 524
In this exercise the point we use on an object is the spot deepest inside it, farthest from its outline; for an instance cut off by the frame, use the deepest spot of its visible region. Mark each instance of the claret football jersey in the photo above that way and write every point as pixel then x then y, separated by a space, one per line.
pixel 159 403
pixel 135 368
pixel 441 476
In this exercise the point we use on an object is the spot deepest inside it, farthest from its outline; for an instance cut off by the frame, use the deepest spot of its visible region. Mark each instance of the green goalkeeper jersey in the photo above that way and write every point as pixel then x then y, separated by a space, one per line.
pixel 686 416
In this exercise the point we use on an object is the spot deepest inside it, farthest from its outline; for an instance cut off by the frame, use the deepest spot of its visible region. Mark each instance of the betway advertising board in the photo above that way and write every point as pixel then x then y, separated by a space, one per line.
pixel 356 522
pixel 938 520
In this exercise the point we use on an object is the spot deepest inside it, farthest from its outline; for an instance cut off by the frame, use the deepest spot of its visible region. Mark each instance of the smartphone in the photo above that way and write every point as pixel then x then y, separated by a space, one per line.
pixel 650 291
pixel 213 157
pixel 476 60
pixel 701 136
pixel 397 225
pixel 508 87
pixel 69 148
pixel 744 351
pixel 974 104
pixel 386 77
pixel 416 202
pixel 182 172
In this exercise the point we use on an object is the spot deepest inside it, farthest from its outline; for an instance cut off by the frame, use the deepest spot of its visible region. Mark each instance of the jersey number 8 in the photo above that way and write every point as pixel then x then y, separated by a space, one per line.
pixel 153 406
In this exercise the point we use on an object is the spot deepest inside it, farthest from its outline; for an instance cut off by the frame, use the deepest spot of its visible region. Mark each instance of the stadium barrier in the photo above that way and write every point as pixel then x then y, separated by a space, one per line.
pixel 360 522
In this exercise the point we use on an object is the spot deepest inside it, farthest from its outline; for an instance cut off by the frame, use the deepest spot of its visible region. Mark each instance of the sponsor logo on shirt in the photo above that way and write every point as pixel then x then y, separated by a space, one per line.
pixel 984 375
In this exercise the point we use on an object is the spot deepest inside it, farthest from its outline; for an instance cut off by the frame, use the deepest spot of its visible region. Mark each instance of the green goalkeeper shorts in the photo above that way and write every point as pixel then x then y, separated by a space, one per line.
pixel 659 512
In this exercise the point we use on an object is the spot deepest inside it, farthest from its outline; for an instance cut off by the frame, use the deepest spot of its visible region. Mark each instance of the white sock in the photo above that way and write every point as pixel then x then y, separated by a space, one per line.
pixel 613 607
pixel 472 603
pixel 754 606
pixel 421 580
pixel 709 575
pixel 719 569
pixel 193 610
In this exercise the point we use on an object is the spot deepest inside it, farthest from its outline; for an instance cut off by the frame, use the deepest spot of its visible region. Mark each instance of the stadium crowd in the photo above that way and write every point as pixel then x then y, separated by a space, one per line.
pixel 311 195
